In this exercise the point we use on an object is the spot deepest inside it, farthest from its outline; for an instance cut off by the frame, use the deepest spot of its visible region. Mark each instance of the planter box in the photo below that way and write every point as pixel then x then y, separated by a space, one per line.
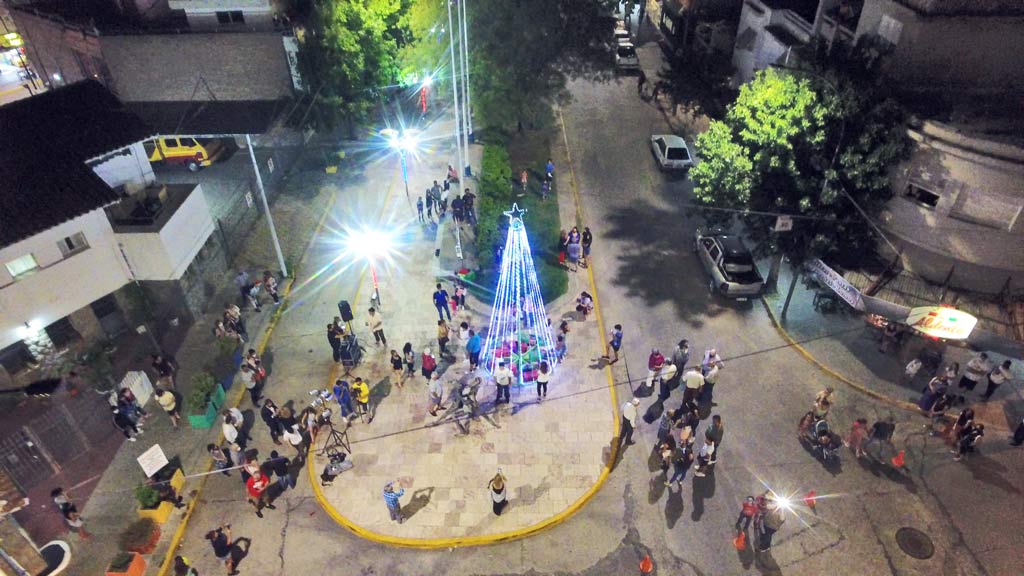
pixel 203 421
pixel 160 514
pixel 136 568
pixel 217 398
pixel 178 481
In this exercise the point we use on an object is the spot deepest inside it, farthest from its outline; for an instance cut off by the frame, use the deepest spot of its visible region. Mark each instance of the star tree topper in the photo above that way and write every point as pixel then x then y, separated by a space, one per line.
pixel 515 214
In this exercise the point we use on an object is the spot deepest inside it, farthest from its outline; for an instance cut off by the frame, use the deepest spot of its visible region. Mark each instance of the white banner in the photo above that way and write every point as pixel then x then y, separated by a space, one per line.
pixel 836 282
pixel 152 460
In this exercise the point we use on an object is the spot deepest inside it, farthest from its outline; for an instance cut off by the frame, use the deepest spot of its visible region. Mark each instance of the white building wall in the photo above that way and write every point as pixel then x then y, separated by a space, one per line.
pixel 60 285
pixel 167 253
pixel 129 167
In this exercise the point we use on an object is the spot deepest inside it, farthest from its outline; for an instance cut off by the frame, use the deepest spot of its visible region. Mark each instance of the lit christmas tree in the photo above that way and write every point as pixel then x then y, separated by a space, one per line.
pixel 519 332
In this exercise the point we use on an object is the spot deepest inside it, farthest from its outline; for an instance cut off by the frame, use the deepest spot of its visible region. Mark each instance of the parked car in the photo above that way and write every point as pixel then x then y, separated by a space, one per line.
pixel 191 152
pixel 621 34
pixel 626 58
pixel 671 152
pixel 730 265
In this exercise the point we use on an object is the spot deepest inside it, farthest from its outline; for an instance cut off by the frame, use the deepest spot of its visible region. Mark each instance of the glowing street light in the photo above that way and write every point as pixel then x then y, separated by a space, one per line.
pixel 371 245
pixel 424 89
pixel 405 142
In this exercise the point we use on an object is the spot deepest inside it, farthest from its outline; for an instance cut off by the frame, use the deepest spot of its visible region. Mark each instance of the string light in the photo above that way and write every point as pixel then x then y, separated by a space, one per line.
pixel 519 332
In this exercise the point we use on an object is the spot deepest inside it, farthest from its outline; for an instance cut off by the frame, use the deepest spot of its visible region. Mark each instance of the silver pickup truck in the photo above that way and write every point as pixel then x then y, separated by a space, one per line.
pixel 727 260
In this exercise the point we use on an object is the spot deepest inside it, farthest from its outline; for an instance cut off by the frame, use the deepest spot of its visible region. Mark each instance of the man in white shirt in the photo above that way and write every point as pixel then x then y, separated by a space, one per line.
pixel 997 377
pixel 693 381
pixel 503 378
pixel 978 367
pixel 628 421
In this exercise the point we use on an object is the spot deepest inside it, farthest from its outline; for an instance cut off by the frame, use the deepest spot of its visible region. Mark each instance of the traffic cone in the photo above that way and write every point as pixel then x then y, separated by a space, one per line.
pixel 897 460
pixel 646 566
pixel 740 541
pixel 809 500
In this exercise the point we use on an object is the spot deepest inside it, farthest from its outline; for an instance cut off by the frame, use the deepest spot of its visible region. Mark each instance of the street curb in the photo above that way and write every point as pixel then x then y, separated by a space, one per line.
pixel 179 533
pixel 901 404
pixel 457 542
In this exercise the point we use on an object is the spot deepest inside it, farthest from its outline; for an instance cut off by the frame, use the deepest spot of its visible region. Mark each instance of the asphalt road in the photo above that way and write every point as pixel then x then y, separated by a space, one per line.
pixel 649 280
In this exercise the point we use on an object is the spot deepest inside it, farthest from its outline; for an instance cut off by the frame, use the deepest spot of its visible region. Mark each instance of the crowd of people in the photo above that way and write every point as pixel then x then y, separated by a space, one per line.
pixel 436 200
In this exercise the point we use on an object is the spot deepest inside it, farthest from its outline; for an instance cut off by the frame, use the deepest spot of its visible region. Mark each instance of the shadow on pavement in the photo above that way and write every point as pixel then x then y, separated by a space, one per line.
pixel 420 499
pixel 674 508
pixel 703 488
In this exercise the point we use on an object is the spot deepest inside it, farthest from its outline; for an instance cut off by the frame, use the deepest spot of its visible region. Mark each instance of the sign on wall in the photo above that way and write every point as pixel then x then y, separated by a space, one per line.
pixel 836 282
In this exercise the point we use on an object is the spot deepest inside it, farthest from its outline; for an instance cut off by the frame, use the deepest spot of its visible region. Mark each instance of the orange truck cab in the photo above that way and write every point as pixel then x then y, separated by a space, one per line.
pixel 193 153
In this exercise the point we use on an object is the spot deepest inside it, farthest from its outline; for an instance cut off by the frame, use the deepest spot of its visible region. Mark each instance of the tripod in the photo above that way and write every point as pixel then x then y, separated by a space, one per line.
pixel 336 439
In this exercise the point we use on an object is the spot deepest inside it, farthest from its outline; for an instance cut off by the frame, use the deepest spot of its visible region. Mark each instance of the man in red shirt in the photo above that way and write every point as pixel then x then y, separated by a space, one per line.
pixel 257 487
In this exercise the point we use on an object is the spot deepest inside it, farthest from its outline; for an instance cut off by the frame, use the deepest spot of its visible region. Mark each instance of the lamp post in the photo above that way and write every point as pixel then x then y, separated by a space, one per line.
pixel 404 142
pixel 370 245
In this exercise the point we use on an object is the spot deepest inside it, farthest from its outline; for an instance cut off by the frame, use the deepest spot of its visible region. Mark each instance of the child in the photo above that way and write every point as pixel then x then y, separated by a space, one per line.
pixel 746 514
pixel 855 441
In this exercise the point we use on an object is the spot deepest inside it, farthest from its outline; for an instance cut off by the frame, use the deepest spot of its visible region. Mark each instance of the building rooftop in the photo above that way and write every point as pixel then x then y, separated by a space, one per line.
pixel 966 7
pixel 48 138
pixel 806 9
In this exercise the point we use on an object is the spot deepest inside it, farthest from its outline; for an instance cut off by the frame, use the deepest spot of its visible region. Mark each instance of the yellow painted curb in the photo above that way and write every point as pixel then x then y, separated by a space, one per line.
pixel 179 533
pixel 435 543
pixel 901 404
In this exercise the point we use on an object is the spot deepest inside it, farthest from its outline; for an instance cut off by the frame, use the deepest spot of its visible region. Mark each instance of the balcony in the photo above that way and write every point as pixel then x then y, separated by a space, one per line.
pixel 160 229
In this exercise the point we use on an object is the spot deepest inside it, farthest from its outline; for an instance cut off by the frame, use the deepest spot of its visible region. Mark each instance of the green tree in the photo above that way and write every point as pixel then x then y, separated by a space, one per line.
pixel 803 144
pixel 349 53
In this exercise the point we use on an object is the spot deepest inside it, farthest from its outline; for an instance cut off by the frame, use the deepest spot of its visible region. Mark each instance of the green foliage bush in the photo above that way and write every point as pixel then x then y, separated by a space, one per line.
pixel 202 389
pixel 138 536
pixel 121 562
pixel 147 496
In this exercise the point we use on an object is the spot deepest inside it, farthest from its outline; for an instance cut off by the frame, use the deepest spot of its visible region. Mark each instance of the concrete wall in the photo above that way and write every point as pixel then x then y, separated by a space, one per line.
pixel 129 167
pixel 253 21
pixel 56 49
pixel 165 253
pixel 977 227
pixel 977 54
pixel 61 285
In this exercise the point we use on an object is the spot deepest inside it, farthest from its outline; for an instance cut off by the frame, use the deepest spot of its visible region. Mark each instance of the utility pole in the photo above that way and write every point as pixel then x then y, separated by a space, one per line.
pixel 455 82
pixel 467 112
pixel 266 206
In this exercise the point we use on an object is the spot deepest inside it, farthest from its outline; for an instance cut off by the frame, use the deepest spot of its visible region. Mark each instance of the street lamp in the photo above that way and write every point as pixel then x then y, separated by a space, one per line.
pixel 370 244
pixel 424 89
pixel 404 142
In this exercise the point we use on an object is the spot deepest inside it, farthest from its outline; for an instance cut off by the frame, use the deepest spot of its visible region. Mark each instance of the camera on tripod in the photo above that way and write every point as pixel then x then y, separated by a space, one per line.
pixel 322 397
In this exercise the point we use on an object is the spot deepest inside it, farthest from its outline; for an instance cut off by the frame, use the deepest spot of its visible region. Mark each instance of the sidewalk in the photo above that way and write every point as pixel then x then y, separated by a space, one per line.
pixel 112 505
pixel 846 345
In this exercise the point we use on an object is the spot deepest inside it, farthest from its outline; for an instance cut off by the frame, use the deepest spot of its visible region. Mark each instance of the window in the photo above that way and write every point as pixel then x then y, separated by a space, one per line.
pixel 72 244
pixel 661 146
pixel 189 142
pixel 678 154
pixel 62 333
pixel 22 266
pixel 921 196
pixel 16 358
pixel 233 17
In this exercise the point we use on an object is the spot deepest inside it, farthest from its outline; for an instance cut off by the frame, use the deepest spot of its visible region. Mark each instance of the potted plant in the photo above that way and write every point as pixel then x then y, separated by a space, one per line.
pixel 202 410
pixel 127 564
pixel 140 536
pixel 150 506
pixel 205 380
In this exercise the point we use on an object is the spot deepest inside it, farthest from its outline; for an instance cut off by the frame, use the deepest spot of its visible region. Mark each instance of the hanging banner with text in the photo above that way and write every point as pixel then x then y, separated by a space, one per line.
pixel 836 282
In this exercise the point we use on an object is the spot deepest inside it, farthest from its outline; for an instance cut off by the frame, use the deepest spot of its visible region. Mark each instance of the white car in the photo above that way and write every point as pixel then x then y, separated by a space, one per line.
pixel 671 152
pixel 621 35
pixel 626 58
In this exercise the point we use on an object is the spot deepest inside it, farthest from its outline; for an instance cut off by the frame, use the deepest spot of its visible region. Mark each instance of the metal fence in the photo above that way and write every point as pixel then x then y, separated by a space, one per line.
pixel 55 439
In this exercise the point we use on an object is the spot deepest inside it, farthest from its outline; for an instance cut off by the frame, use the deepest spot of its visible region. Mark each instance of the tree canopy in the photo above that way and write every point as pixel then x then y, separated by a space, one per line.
pixel 792 143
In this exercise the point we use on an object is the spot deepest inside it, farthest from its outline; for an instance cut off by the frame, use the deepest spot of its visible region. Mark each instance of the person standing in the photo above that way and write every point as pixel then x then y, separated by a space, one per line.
pixel 641 80
pixel 164 371
pixel 169 403
pixel 704 456
pixel 271 284
pixel 123 423
pixel 256 486
pixel 441 302
pixel 397 372
pixel 969 439
pixel 628 421
pixel 242 282
pixel 503 380
pixel 1018 434
pixel 343 396
pixel 524 180
pixel 499 493
pixel 268 412
pixel 334 339
pixel 655 362
pixel 937 412
pixel 574 251
pixel 443 336
pixel 391 501
pixel 976 369
pixel 682 457
pixel 996 378
pixel 715 432
pixel 435 393
pixel 473 349
pixel 430 205
pixel 362 394
pixel 427 364
pixel 587 241
pixel 543 377
pixel 230 429
pixel 249 381
pixel 772 520
pixel 280 465
pixel 693 382
pixel 220 460
pixel 419 208
pixel 549 169
pixel 615 343
pixel 855 440
pixel 409 359
pixel 220 541
pixel 911 370
pixel 376 324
